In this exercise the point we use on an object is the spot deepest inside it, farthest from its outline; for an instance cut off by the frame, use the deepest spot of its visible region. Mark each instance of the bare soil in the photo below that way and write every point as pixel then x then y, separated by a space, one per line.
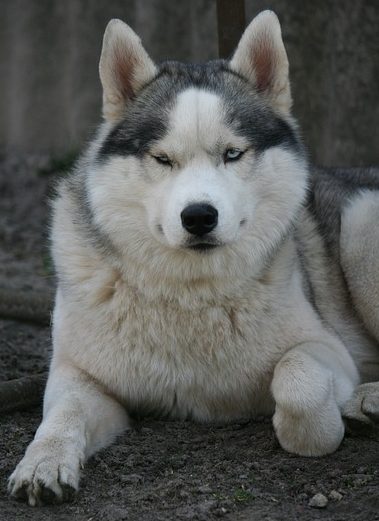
pixel 161 470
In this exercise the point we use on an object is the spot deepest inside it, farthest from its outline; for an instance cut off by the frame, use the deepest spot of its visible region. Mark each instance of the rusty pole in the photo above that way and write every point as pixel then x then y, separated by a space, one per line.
pixel 231 22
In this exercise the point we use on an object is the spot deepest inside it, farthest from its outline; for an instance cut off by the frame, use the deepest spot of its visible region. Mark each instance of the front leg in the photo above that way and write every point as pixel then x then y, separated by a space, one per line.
pixel 79 418
pixel 311 383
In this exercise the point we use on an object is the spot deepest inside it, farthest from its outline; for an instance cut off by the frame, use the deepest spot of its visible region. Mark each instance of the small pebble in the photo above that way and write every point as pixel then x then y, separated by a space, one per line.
pixel 219 512
pixel 206 506
pixel 336 496
pixel 131 478
pixel 318 501
pixel 205 489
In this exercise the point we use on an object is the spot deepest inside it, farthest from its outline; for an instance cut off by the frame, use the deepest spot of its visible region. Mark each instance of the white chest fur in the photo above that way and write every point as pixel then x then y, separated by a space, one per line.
pixel 209 362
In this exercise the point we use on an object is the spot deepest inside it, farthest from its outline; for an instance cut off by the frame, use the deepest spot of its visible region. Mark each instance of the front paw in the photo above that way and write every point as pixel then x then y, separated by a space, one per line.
pixel 48 473
pixel 309 434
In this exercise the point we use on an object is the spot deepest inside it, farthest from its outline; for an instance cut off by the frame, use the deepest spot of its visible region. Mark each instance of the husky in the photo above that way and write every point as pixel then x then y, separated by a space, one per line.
pixel 205 270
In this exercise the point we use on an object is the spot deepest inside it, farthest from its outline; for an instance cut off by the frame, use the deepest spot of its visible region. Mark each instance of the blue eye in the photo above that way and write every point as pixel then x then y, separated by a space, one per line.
pixel 163 160
pixel 232 154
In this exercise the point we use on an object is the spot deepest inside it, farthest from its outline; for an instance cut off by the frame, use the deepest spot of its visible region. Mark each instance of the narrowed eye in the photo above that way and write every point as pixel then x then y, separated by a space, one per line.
pixel 163 160
pixel 232 154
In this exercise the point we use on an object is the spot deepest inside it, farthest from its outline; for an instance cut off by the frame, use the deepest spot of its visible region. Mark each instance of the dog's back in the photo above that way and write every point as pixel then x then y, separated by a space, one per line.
pixel 329 272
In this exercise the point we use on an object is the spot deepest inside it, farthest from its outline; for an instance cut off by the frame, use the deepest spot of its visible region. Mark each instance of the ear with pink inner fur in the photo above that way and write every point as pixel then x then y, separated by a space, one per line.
pixel 261 58
pixel 125 67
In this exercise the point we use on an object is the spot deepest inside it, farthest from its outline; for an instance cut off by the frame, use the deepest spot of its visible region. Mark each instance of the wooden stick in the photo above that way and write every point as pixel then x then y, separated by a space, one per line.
pixel 22 393
pixel 231 23
pixel 28 306
pixel 26 392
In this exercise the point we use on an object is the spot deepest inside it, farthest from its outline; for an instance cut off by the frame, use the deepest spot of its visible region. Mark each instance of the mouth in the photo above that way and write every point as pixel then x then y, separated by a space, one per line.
pixel 203 246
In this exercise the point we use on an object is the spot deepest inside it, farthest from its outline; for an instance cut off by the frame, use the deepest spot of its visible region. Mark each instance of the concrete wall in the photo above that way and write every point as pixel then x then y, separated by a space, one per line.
pixel 49 50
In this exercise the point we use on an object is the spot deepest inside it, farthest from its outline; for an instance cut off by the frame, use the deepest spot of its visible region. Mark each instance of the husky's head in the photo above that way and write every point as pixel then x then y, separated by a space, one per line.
pixel 198 169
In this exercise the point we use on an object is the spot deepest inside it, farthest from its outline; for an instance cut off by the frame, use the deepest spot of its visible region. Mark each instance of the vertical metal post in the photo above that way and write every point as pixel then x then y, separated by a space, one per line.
pixel 231 22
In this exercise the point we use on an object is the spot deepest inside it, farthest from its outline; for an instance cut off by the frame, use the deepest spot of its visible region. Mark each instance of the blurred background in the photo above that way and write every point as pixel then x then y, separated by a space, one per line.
pixel 49 50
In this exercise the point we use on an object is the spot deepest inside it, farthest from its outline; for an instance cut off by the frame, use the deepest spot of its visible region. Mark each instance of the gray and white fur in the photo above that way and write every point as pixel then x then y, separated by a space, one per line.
pixel 204 271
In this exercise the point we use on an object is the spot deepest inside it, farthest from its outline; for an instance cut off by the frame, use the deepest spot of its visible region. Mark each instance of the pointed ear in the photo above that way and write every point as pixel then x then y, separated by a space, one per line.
pixel 261 58
pixel 124 68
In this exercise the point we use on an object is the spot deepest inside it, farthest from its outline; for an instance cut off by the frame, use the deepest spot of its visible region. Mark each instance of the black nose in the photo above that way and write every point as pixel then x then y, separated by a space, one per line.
pixel 199 218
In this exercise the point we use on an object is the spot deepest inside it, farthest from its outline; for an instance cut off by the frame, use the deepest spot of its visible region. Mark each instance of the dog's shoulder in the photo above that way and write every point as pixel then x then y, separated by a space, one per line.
pixel 80 252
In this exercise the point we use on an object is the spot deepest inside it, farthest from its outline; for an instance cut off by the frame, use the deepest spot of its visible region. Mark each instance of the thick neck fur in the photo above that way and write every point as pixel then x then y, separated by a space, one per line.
pixel 234 285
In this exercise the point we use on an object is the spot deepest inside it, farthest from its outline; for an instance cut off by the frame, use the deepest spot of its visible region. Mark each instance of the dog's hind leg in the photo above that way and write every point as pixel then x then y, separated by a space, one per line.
pixel 79 418
pixel 360 263
pixel 364 405
pixel 360 257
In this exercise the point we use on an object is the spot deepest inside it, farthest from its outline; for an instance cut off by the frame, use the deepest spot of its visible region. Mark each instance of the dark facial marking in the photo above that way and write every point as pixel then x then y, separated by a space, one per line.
pixel 133 136
pixel 250 116
pixel 146 116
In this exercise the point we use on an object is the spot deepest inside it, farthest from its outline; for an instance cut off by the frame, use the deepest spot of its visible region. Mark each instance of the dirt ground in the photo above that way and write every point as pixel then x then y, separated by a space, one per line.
pixel 161 470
